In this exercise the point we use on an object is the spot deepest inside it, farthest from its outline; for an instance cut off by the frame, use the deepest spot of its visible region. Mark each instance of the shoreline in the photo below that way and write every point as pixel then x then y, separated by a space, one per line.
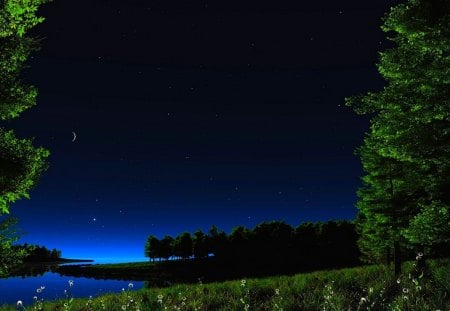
pixel 59 260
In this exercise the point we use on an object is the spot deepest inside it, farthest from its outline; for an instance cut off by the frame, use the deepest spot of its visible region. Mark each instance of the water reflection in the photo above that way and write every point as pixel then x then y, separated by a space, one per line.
pixel 34 269
pixel 23 283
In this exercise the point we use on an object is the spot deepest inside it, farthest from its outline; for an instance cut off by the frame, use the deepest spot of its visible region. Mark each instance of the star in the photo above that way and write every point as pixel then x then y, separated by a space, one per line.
pixel 94 219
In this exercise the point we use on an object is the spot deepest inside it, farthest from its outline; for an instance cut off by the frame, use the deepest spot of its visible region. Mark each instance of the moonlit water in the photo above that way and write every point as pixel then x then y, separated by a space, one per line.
pixel 25 288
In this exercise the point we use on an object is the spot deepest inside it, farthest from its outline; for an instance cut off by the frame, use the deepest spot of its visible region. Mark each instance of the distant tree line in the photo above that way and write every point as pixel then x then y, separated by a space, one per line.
pixel 333 243
pixel 36 253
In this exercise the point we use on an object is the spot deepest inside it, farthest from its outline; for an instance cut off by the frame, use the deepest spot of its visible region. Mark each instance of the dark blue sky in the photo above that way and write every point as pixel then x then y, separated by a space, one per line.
pixel 192 115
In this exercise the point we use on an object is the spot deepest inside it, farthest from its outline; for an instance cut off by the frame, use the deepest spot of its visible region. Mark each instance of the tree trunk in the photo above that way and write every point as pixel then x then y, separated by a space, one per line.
pixel 397 259
pixel 388 257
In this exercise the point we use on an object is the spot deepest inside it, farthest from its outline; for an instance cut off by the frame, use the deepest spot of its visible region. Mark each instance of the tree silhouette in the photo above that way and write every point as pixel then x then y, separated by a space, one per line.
pixel 152 248
pixel 200 244
pixel 272 240
pixel 183 245
pixel 305 241
pixel 239 243
pixel 217 242
pixel 270 247
pixel 166 247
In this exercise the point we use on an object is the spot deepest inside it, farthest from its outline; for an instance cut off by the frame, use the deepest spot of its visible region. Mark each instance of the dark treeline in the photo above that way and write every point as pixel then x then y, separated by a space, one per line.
pixel 330 244
pixel 36 253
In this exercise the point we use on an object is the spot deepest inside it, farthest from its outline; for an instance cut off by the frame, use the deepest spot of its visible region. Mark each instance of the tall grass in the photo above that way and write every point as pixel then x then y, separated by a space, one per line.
pixel 361 288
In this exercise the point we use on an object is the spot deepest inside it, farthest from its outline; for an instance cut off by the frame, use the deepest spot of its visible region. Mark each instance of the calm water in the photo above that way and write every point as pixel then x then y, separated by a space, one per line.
pixel 24 288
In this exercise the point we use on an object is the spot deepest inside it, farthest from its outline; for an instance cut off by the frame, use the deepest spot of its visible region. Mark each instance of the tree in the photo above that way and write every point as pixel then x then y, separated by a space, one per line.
pixel 21 164
pixel 200 244
pixel 406 155
pixel 152 248
pixel 386 203
pixel 217 242
pixel 239 243
pixel 272 241
pixel 183 245
pixel 55 254
pixel 166 246
pixel 9 255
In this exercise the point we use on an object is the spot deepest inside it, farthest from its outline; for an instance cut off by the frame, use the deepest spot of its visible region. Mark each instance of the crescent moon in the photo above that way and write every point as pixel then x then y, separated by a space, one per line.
pixel 74 136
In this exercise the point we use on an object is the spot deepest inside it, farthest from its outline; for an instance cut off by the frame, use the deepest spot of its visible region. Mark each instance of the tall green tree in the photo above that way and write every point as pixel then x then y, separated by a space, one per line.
pixel 20 162
pixel 406 154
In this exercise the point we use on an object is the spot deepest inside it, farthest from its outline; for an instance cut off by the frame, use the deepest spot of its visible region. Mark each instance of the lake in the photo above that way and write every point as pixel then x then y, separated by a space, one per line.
pixel 25 288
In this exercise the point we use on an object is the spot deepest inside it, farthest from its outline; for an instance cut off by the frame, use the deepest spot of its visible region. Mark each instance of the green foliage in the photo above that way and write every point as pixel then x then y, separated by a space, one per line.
pixel 406 154
pixel 430 226
pixel 16 18
pixel 21 166
pixel 10 257
pixel 19 16
pixel 15 97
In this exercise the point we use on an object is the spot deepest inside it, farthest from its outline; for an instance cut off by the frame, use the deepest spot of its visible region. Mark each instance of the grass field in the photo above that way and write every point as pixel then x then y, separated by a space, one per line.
pixel 360 288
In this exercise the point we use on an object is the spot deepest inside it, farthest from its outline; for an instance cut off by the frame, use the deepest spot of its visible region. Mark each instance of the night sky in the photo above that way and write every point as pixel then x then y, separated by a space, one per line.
pixel 194 113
